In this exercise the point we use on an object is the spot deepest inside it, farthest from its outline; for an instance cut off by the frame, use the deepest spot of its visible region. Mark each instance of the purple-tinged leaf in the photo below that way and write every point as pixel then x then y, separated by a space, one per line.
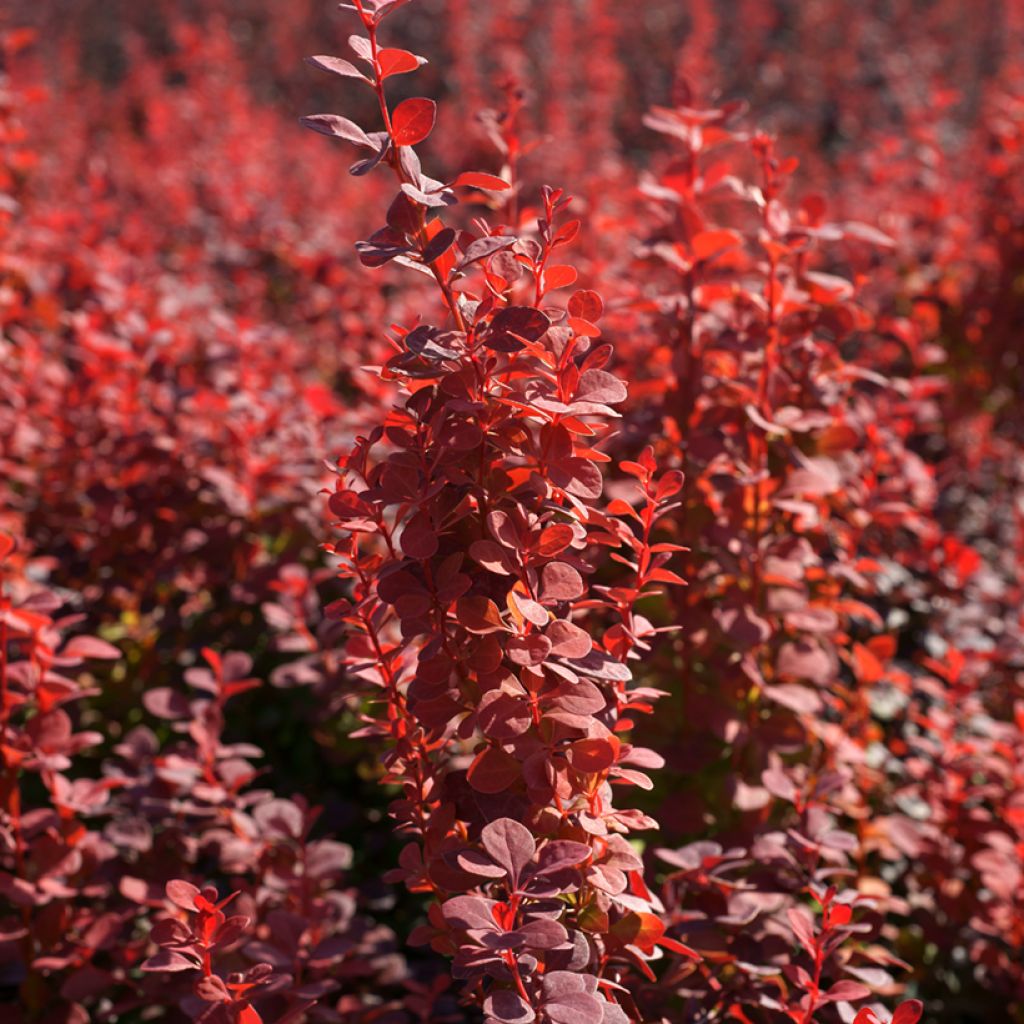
pixel 510 844
pixel 336 66
pixel 338 127
pixel 508 1007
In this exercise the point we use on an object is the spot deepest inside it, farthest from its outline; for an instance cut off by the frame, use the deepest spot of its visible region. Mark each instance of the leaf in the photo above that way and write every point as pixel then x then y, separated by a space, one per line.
pixel 481 248
pixel 559 276
pixel 493 770
pixel 804 660
pixel 213 989
pixel 528 650
pixel 434 199
pixel 639 929
pixel 568 640
pixel 866 1016
pixel 801 699
pixel 866 665
pixel 542 934
pixel 593 755
pixel 847 991
pixel 418 538
pixel 476 179
pixel 182 894
pixel 803 927
pixel 508 1007
pixel 578 476
pixel 361 47
pixel 510 844
pixel 90 647
pixel 867 233
pixel 231 930
pixel 339 127
pixel 560 582
pixel 675 946
pixel 169 961
pixel 280 818
pixel 490 555
pixel 336 66
pixel 412 121
pixel 169 932
pixel 908 1012
pixel 586 305
pixel 559 854
pixel 468 912
pixel 566 233
pixel 600 386
pixel 706 245
pixel 393 61
pixel 514 323
pixel 478 615
pixel 670 484
pixel 163 702
pixel 439 245
pixel 553 540
pixel 574 1008
pixel 828 288
pixel 381 143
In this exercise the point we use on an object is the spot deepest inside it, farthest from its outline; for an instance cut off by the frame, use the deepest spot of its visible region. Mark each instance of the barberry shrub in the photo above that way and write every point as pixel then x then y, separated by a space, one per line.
pixel 473 518
pixel 799 528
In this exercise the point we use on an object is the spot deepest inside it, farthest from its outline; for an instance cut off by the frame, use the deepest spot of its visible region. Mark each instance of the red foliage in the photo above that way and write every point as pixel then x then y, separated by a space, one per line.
pixel 702 491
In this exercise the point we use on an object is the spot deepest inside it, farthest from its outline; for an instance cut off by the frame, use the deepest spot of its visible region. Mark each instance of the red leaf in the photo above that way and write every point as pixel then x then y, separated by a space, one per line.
pixel 477 179
pixel 665 576
pixel 514 323
pixel 866 1016
pixel 827 288
pixel 554 539
pixel 559 276
pixel 586 305
pixel 706 245
pixel 678 947
pixel 510 844
pixel 528 650
pixel 670 484
pixel 493 770
pixel 478 615
pixel 182 894
pixel 560 582
pixel 908 1012
pixel 418 539
pixel 643 930
pixel 867 667
pixel 594 755
pixel 396 62
pixel 568 640
pixel 412 121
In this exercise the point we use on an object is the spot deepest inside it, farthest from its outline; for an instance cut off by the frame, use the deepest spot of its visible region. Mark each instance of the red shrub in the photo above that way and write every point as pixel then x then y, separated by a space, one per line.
pixel 782 567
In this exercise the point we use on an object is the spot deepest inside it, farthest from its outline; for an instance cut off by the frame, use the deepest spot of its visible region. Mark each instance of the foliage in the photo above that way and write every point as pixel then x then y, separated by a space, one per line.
pixel 692 503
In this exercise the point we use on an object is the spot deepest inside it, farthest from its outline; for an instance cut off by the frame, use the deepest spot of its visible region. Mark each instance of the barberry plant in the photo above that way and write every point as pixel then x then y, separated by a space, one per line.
pixel 474 518
pixel 796 537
